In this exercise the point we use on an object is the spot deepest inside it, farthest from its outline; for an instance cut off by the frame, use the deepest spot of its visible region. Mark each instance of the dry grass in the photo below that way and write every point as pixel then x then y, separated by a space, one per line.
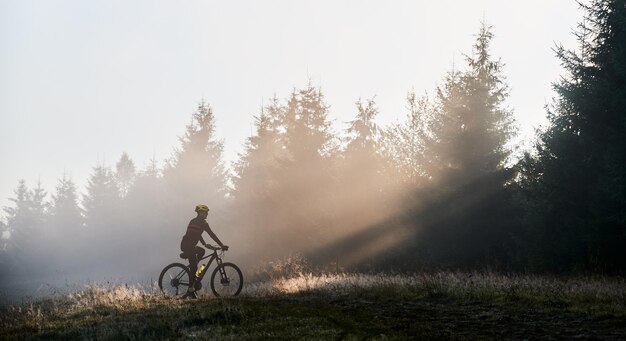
pixel 324 304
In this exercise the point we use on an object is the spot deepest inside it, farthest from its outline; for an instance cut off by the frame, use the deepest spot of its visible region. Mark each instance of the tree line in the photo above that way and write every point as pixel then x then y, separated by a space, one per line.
pixel 438 189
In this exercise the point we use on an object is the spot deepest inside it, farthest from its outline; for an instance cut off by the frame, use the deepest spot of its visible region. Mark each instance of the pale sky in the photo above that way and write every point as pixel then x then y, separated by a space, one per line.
pixel 83 81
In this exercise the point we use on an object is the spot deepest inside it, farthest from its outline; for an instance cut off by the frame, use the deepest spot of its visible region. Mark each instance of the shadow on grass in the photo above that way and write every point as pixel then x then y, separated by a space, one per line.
pixel 396 311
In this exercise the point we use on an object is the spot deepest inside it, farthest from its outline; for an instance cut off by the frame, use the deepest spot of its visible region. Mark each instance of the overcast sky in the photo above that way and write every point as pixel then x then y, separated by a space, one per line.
pixel 83 81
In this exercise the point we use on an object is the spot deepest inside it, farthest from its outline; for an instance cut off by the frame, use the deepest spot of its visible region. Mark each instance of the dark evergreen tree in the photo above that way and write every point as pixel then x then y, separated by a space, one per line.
pixel 575 181
pixel 452 153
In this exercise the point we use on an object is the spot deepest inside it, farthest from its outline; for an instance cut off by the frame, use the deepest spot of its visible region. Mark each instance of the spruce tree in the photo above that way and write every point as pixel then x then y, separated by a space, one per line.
pixel 405 145
pixel 5 264
pixel 196 173
pixel 100 203
pixel 19 227
pixel 472 126
pixel 307 169
pixel 125 174
pixel 65 214
pixel 25 221
pixel 255 180
pixel 452 151
pixel 575 181
pixel 362 184
pixel 65 234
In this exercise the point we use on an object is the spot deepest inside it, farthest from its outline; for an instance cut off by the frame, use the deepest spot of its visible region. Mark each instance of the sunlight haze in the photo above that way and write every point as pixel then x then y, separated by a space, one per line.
pixel 84 81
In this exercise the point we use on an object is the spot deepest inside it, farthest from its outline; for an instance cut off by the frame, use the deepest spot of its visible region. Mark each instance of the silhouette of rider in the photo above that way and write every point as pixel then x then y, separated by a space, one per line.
pixel 194 253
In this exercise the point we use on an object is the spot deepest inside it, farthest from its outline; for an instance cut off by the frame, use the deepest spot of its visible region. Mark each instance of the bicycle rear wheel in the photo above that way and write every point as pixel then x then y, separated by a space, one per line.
pixel 226 280
pixel 174 280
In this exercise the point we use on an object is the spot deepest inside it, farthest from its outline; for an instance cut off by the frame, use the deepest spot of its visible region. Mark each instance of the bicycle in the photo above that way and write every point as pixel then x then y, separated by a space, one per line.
pixel 175 278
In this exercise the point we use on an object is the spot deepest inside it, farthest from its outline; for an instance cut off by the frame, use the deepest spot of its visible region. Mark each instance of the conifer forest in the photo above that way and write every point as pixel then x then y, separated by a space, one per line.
pixel 445 189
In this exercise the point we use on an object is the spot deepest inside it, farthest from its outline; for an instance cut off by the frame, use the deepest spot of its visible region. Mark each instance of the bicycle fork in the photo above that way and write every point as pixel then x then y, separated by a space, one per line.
pixel 224 279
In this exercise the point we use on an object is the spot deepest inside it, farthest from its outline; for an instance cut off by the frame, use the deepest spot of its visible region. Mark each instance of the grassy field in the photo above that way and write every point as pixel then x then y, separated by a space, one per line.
pixel 445 305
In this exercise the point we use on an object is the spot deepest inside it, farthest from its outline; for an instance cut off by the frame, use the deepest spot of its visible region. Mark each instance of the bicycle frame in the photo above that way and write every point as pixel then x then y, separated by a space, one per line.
pixel 213 256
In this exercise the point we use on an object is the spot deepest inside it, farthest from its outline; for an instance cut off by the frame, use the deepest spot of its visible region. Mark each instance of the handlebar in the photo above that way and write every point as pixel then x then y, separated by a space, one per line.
pixel 214 248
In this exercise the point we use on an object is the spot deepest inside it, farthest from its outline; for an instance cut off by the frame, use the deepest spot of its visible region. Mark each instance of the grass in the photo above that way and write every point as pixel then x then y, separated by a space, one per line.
pixel 449 305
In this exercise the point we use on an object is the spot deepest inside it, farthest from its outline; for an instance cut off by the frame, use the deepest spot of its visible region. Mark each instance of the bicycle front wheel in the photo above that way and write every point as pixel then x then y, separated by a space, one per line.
pixel 174 280
pixel 226 280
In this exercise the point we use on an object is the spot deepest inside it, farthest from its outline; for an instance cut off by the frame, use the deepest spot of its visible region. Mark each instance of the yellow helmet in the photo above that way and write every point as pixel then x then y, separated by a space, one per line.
pixel 202 208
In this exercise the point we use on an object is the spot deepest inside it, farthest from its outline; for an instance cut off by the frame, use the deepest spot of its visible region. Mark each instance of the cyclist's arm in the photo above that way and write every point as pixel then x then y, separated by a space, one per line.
pixel 202 241
pixel 217 240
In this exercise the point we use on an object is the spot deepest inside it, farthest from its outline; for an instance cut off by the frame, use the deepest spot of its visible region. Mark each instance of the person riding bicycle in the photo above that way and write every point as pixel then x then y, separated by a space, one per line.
pixel 192 252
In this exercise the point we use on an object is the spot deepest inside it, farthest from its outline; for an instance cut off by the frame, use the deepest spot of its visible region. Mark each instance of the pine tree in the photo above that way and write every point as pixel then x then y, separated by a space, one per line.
pixel 65 214
pixel 196 173
pixel 283 180
pixel 5 264
pixel 363 131
pixel 256 165
pixel 18 216
pixel 100 203
pixel 406 145
pixel 65 234
pixel 575 182
pixel 362 182
pixel 255 193
pixel 452 152
pixel 472 126
pixel 4 236
pixel 125 174
pixel 25 221
pixel 307 169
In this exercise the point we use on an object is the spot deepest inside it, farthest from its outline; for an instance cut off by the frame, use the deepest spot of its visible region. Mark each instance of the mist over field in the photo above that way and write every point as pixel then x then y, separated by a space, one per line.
pixel 447 187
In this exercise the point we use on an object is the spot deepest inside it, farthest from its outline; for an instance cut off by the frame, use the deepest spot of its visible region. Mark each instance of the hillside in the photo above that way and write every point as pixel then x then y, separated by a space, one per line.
pixel 345 306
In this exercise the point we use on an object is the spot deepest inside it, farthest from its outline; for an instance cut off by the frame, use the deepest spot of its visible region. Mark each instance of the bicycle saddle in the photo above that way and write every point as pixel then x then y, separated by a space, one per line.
pixel 183 255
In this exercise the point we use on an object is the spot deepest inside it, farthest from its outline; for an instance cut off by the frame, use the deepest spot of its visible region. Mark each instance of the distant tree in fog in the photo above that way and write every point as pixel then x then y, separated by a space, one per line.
pixel 451 152
pixel 125 174
pixel 149 209
pixel 407 143
pixel 283 181
pixel 364 183
pixel 255 181
pixel 65 214
pixel 4 254
pixel 146 195
pixel 64 229
pixel 4 236
pixel 307 169
pixel 196 172
pixel 363 131
pixel 472 125
pixel 102 198
pixel 25 223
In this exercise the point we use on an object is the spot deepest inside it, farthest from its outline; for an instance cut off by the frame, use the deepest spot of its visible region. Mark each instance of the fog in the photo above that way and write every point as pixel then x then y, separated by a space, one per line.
pixel 342 200
pixel 439 189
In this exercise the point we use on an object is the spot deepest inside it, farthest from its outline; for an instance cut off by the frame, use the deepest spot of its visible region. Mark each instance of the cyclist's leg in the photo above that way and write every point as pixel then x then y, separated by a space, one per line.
pixel 194 257
pixel 199 251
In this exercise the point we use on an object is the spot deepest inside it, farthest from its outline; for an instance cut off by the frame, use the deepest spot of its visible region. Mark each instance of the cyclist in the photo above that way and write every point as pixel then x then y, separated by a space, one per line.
pixel 195 228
